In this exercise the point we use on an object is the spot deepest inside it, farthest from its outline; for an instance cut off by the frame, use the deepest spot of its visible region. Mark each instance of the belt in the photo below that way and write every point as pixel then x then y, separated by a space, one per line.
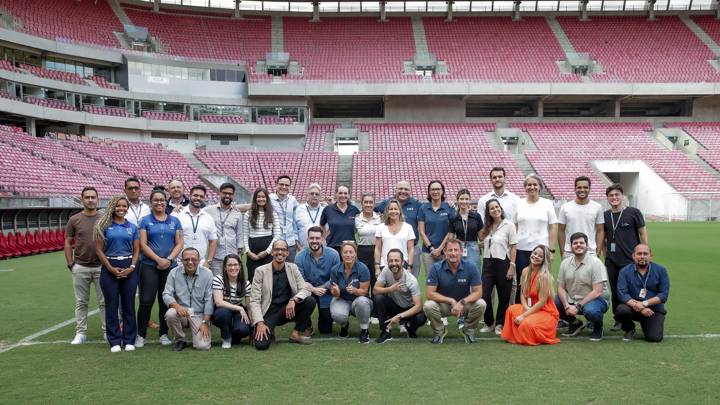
pixel 119 257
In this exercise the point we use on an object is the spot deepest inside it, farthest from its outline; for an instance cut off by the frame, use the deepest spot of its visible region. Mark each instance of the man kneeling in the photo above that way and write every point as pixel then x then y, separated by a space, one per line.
pixel 188 294
pixel 278 296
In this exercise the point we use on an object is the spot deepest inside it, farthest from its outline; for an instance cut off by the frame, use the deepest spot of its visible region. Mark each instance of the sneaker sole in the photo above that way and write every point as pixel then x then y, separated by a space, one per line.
pixel 442 337
pixel 577 332
pixel 384 341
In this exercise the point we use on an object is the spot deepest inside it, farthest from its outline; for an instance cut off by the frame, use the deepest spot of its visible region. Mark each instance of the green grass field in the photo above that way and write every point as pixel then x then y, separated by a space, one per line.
pixel 37 295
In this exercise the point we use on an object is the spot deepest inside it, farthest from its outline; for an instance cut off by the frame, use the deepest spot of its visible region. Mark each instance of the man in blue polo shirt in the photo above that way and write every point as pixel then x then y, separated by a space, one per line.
pixel 643 287
pixel 410 208
pixel 315 263
pixel 454 288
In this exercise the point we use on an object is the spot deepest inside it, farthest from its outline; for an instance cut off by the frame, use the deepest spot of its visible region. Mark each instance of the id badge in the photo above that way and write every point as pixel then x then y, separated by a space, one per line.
pixel 190 312
pixel 529 301
pixel 465 251
pixel 612 247
pixel 643 293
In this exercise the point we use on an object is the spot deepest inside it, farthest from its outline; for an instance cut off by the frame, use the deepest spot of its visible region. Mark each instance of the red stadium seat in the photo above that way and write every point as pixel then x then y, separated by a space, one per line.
pixel 4 247
pixel 45 237
pixel 21 243
pixel 12 244
pixel 32 246
pixel 37 237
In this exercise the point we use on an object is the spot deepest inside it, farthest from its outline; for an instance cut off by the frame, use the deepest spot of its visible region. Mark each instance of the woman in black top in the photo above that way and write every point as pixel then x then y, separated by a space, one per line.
pixel 465 226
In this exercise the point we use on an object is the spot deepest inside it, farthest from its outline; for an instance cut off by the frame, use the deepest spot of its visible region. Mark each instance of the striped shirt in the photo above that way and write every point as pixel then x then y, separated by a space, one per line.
pixel 259 230
pixel 235 299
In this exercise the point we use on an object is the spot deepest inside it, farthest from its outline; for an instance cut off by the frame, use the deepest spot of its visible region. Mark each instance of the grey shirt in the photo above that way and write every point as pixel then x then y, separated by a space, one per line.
pixel 229 230
pixel 404 297
pixel 190 292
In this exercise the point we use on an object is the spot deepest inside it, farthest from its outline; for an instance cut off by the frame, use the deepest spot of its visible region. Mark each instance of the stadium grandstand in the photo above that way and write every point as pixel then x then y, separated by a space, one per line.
pixel 355 93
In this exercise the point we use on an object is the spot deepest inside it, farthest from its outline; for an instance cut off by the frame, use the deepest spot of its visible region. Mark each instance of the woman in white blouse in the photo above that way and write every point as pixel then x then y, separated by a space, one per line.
pixel 394 233
pixel 261 229
pixel 499 237
pixel 366 224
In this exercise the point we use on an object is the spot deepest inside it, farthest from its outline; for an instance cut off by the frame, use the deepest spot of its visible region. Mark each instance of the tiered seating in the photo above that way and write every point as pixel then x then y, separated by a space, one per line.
pixel 633 49
pixel 50 103
pixel 5 94
pixel 208 37
pixel 102 82
pixel 457 154
pixel 708 134
pixel 222 119
pixel 7 65
pixel 565 150
pixel 165 116
pixel 350 49
pixel 40 241
pixel 112 111
pixel 241 166
pixel 315 138
pixel 493 49
pixel 54 74
pixel 710 25
pixel 317 167
pixel 274 120
pixel 81 21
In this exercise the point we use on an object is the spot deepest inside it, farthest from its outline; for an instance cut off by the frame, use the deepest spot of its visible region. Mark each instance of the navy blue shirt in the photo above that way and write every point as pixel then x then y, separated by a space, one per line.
pixel 119 239
pixel 656 280
pixel 358 274
pixel 317 272
pixel 437 223
pixel 456 286
pixel 160 236
pixel 341 225
pixel 410 211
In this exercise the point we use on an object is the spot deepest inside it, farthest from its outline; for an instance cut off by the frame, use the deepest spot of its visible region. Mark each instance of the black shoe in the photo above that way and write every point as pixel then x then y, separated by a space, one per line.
pixel 469 337
pixel 617 327
pixel 589 326
pixel 179 346
pixel 384 337
pixel 574 329
pixel 562 324
pixel 629 335
pixel 410 330
pixel 364 336
pixel 597 335
pixel 344 331
pixel 438 339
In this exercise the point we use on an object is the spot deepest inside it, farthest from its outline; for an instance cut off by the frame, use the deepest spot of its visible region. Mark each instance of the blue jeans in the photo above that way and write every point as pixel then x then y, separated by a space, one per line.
pixel 594 311
pixel 118 291
pixel 473 254
pixel 230 324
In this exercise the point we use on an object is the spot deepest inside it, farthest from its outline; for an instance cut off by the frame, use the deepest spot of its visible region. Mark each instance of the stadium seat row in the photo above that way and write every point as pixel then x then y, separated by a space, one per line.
pixel 19 244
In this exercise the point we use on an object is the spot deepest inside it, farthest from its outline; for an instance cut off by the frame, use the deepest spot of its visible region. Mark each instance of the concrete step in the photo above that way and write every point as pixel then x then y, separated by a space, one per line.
pixel 709 42
pixel 560 35
pixel 421 47
pixel 277 34
pixel 196 163
pixel 344 174
pixel 119 12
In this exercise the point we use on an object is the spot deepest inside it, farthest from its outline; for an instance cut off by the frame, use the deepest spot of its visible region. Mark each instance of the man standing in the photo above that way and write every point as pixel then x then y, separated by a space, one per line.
pixel 198 226
pixel 177 199
pixel 278 296
pixel 624 229
pixel 581 215
pixel 582 289
pixel 397 298
pixel 315 263
pixel 454 288
pixel 228 223
pixel 137 209
pixel 188 295
pixel 83 262
pixel 284 204
pixel 507 199
pixel 410 208
pixel 643 287
pixel 308 215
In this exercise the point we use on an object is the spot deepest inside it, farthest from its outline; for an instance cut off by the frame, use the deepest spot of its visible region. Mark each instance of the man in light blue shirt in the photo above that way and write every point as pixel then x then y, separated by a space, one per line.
pixel 284 205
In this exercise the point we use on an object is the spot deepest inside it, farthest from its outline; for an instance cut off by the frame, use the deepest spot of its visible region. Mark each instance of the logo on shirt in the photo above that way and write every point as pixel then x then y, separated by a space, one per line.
pixel 443 214
pixel 462 280
pixel 129 231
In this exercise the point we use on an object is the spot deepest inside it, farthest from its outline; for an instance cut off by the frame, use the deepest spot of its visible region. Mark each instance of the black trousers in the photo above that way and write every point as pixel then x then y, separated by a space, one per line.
pixel 151 285
pixel 325 321
pixel 257 245
pixel 366 256
pixel 386 308
pixel 522 260
pixel 493 275
pixel 652 326
pixel 275 316
pixel 613 271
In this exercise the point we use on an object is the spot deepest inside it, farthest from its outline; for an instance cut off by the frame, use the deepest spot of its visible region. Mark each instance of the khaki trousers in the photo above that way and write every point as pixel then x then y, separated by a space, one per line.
pixel 436 311
pixel 177 324
pixel 83 279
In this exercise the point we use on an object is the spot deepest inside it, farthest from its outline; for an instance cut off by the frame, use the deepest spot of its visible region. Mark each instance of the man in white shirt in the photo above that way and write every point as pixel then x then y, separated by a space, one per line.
pixel 308 214
pixel 581 215
pixel 284 204
pixel 228 223
pixel 507 199
pixel 137 209
pixel 199 230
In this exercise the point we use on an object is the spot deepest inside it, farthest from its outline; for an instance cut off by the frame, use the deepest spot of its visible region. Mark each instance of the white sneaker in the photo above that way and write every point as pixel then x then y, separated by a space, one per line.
pixel 402 328
pixel 445 322
pixel 115 349
pixel 227 343
pixel 129 348
pixel 165 340
pixel 79 339
pixel 139 341
pixel 105 336
pixel 486 329
pixel 374 321
pixel 498 330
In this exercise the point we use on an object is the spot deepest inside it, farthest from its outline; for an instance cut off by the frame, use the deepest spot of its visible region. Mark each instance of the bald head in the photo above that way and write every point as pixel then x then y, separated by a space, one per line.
pixel 642 256
pixel 402 191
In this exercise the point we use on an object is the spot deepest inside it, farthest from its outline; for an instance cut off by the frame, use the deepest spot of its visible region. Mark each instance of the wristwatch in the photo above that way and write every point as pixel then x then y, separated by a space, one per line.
pixel 646 303
pixel 205 321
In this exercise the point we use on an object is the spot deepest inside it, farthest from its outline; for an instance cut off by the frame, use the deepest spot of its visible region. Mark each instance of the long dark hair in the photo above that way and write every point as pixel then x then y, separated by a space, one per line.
pixel 489 220
pixel 240 286
pixel 254 210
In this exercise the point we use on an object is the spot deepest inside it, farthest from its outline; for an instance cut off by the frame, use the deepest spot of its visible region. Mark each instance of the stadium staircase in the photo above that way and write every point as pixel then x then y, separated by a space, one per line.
pixel 345 170
pixel 564 42
pixel 277 34
pixel 705 38
pixel 421 46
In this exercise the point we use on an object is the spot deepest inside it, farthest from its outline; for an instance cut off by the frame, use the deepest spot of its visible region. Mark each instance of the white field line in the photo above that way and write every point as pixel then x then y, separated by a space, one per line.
pixel 30 338
pixel 6 270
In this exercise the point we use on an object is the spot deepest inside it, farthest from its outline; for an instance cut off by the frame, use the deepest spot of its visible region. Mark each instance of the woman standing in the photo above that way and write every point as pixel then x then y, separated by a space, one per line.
pixel 229 298
pixel 161 240
pixel 118 245
pixel 499 263
pixel 261 229
pixel 366 225
pixel 339 219
pixel 465 226
pixel 394 233
pixel 434 224
pixel 536 225
pixel 350 281
pixel 534 320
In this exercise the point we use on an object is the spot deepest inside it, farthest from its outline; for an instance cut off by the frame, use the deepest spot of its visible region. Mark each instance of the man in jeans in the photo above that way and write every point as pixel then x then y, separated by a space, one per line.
pixel 83 262
pixel 582 289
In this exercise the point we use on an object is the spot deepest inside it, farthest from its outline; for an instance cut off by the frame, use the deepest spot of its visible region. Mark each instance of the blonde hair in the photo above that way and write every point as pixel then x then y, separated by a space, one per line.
pixel 107 218
pixel 386 216
pixel 544 280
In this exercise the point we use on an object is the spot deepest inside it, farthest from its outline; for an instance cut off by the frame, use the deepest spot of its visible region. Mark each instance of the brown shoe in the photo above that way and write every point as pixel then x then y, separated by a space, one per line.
pixel 301 340
pixel 309 332
pixel 153 325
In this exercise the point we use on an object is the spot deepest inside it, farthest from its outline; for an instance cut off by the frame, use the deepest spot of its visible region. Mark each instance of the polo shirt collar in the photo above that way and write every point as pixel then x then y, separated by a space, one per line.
pixel 504 193
pixel 187 210
pixel 363 219
pixel 583 262
pixel 446 266
pixel 124 223
pixel 354 270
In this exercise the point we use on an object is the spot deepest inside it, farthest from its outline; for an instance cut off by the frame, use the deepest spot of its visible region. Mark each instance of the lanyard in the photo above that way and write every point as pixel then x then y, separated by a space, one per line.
pixel 615 224
pixel 222 221
pixel 465 226
pixel 317 212
pixel 647 276
pixel 190 289
pixel 283 205
pixel 137 213
pixel 194 223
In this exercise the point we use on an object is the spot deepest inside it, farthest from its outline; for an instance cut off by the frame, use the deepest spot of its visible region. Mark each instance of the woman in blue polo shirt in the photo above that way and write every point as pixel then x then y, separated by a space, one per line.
pixel 434 224
pixel 118 246
pixel 339 219
pixel 350 282
pixel 161 240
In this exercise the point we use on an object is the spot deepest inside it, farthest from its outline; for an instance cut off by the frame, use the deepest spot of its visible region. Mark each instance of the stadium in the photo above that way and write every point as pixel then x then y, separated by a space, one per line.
pixel 358 94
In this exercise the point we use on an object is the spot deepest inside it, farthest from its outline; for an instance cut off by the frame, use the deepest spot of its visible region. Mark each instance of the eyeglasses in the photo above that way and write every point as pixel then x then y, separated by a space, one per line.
pixel 283 185
pixel 314 194
pixel 280 250
pixel 133 188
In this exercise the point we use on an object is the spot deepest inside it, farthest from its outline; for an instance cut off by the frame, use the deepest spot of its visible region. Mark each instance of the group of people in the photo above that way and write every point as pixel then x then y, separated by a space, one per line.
pixel 362 262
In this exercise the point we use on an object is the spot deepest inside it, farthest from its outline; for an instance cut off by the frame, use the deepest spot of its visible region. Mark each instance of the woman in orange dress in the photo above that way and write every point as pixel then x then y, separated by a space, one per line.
pixel 534 320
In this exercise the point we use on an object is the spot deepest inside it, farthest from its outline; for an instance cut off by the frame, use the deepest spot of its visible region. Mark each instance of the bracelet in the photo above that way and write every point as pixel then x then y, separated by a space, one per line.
pixel 512 264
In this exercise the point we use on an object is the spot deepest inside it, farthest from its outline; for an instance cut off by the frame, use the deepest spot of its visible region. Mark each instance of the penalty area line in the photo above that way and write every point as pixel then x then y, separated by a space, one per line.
pixel 27 339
